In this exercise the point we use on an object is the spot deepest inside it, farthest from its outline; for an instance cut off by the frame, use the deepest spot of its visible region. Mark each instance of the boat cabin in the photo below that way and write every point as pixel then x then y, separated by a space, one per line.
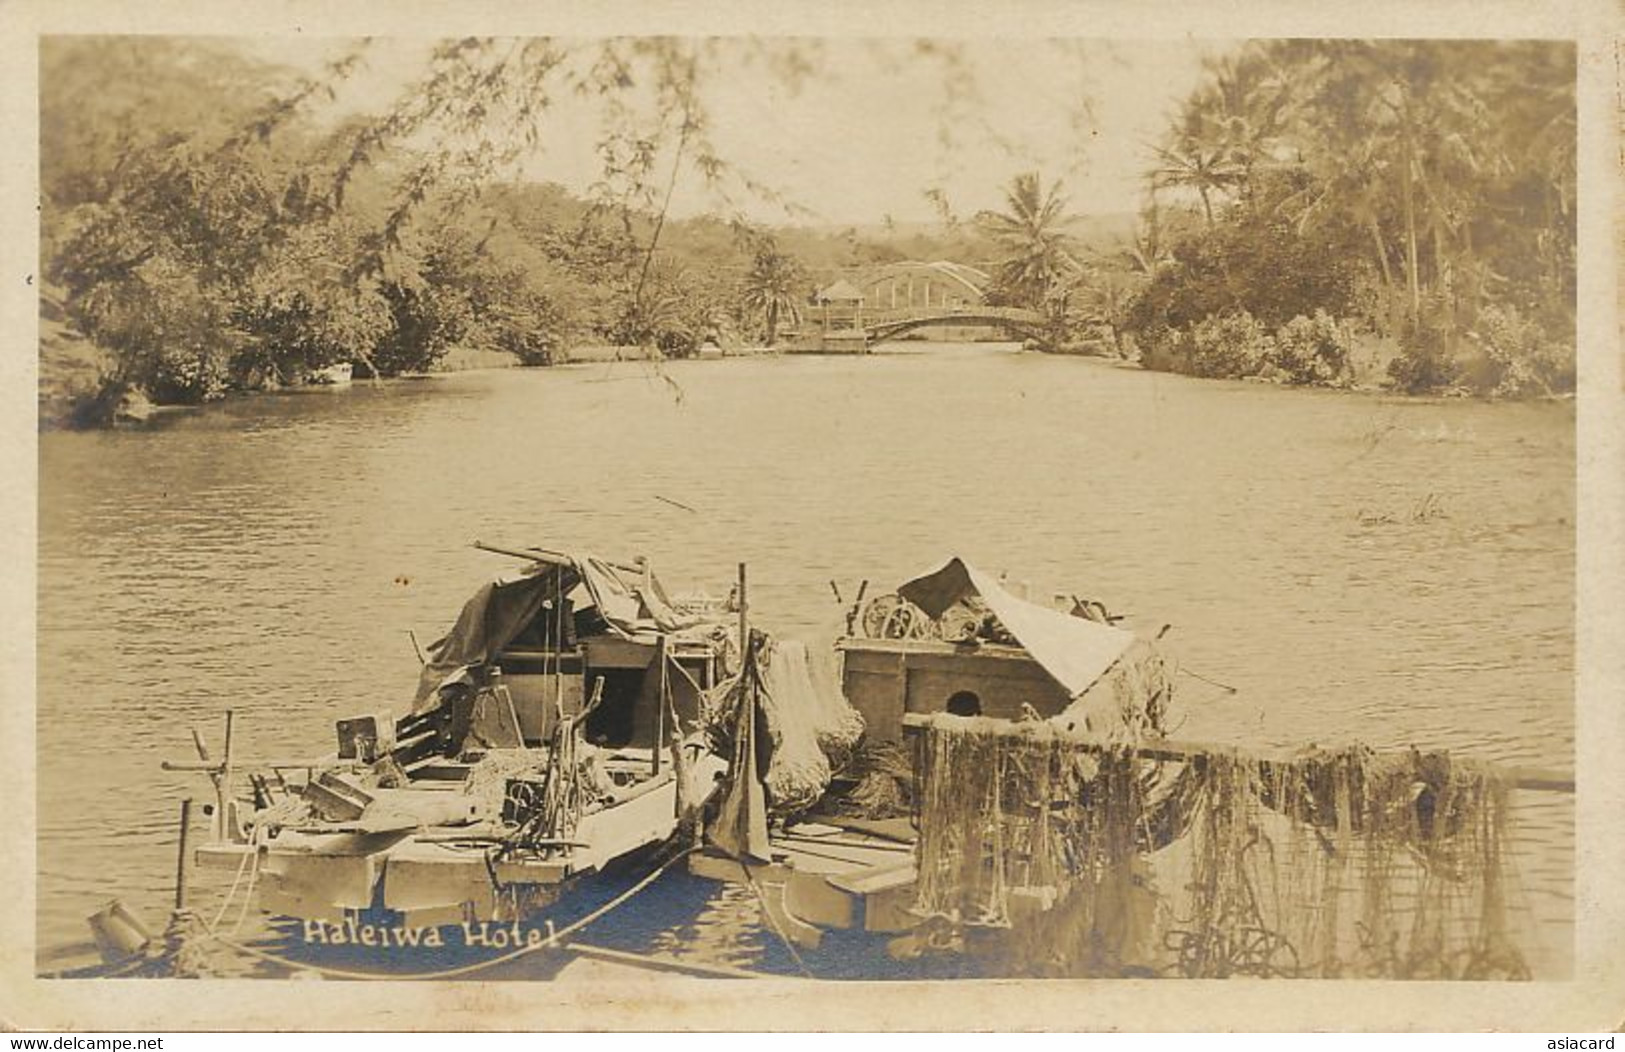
pixel 955 641
pixel 885 679
pixel 531 648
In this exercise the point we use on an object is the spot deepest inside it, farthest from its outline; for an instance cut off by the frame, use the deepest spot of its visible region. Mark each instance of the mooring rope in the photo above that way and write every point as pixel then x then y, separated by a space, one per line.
pixel 772 921
pixel 231 893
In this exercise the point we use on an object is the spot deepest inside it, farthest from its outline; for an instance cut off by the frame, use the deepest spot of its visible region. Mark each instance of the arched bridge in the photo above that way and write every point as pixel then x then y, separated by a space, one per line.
pixel 1025 324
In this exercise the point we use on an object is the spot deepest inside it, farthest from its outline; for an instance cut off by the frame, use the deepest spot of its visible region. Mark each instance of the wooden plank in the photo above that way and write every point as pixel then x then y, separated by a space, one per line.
pixel 711 866
pixel 440 772
pixel 218 767
pixel 814 829
pixel 613 652
pixel 794 841
pixel 900 830
pixel 875 879
pixel 931 647
pixel 552 558
pixel 1538 779
pixel 839 858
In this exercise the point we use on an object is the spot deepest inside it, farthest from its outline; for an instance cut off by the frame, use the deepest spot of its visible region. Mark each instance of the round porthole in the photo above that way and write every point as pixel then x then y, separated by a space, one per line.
pixel 964 703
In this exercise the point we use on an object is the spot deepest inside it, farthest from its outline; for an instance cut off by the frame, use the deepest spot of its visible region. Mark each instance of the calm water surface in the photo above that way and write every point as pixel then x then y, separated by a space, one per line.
pixel 1387 571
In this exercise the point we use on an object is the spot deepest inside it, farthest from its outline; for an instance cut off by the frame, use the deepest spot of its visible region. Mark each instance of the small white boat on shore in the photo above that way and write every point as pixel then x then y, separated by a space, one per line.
pixel 339 374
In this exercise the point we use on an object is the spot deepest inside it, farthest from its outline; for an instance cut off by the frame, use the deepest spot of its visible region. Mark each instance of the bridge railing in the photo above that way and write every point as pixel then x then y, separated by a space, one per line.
pixel 967 315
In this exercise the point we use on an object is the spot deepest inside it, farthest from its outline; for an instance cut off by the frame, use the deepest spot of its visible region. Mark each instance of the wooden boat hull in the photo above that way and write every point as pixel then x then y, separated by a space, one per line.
pixel 432 877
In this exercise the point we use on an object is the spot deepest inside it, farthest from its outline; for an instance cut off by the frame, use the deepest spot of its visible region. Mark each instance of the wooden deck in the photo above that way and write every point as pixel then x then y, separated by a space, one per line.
pixel 824 876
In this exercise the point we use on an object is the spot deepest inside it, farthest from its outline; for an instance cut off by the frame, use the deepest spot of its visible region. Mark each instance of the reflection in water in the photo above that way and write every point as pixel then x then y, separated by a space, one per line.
pixel 271 554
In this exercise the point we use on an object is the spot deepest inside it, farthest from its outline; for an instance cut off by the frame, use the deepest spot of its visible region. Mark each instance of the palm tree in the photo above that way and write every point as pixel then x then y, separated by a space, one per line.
pixel 1415 113
pixel 770 288
pixel 665 310
pixel 1205 163
pixel 1033 233
pixel 1240 117
pixel 1149 252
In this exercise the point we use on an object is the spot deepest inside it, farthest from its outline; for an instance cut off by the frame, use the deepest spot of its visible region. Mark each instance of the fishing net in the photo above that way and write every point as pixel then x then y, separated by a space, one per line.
pixel 882 774
pixel 1130 700
pixel 1083 858
pixel 811 728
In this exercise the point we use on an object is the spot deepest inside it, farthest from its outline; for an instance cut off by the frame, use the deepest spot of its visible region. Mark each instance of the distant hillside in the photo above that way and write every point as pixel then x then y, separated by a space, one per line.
pixel 539 210
pixel 1092 231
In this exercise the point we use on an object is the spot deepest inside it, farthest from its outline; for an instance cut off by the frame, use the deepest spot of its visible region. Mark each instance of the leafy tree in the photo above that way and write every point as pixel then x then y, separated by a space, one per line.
pixel 1441 170
pixel 1267 267
pixel 300 313
pixel 676 311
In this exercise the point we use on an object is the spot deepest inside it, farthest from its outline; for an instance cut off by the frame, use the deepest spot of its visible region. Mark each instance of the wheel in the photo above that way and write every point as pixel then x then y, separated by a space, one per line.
pixel 893 617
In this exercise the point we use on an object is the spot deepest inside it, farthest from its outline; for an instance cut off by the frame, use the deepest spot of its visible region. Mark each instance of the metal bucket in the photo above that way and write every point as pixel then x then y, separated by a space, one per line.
pixel 119 934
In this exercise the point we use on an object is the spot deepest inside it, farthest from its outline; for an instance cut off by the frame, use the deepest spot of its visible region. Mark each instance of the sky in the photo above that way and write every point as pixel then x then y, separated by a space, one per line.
pixel 879 123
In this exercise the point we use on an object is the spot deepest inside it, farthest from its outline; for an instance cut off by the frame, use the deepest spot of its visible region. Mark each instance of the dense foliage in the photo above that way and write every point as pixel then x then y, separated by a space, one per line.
pixel 1420 192
pixel 203 230
pixel 203 236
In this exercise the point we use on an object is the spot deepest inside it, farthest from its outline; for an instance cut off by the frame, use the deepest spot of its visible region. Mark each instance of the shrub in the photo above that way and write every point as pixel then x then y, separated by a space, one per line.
pixel 1516 357
pixel 1231 345
pixel 1164 350
pixel 1313 350
pixel 1426 360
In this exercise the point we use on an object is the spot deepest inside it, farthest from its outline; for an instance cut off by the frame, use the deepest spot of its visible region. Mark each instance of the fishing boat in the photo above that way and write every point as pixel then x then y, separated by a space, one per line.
pixel 984 788
pixel 1017 808
pixel 554 730
pixel 955 643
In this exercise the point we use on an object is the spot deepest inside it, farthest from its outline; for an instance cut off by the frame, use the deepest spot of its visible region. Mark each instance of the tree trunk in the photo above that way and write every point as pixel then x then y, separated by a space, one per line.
pixel 1408 192
pixel 772 322
pixel 1382 251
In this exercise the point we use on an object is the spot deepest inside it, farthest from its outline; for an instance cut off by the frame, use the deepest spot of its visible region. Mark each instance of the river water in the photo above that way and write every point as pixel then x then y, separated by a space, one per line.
pixel 1358 568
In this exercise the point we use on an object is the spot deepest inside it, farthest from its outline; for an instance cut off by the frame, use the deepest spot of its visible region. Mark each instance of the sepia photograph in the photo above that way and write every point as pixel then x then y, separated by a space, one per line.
pixel 846 510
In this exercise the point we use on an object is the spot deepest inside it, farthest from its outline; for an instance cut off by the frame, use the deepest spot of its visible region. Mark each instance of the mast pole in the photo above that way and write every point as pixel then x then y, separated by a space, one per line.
pixel 744 615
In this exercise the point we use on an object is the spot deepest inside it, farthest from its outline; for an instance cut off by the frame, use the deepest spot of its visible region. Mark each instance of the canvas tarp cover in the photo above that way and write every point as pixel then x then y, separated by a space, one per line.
pixel 489 621
pixel 502 609
pixel 1074 651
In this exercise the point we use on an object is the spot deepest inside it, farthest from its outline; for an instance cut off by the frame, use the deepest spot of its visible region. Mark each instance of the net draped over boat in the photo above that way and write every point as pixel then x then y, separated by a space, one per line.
pixel 1075 860
pixel 810 728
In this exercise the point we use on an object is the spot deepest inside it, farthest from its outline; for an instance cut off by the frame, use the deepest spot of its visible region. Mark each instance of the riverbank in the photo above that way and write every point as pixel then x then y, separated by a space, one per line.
pixel 75 391
pixel 1497 362
pixel 73 374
